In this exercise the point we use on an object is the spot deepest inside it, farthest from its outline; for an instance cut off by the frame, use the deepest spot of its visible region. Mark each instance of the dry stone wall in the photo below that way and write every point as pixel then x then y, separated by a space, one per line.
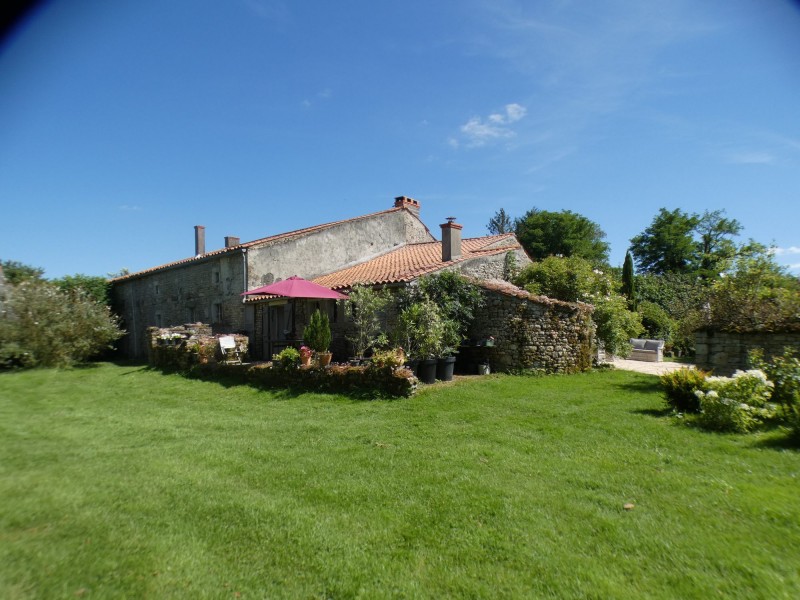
pixel 533 332
pixel 724 352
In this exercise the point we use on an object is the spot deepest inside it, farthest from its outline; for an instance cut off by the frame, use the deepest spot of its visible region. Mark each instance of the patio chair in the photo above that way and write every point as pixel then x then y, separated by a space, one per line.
pixel 230 351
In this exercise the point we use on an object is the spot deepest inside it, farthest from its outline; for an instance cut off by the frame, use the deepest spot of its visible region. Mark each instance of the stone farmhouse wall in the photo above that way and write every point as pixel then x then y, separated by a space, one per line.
pixel 724 352
pixel 209 288
pixel 206 290
pixel 534 332
pixel 334 248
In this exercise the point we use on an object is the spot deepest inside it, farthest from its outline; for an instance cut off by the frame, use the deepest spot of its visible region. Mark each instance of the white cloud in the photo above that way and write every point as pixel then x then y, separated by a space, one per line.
pixel 478 131
pixel 129 207
pixel 785 251
pixel 794 267
pixel 751 158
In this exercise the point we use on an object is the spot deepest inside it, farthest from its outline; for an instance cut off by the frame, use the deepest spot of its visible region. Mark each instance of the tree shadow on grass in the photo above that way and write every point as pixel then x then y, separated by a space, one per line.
pixel 779 442
pixel 658 413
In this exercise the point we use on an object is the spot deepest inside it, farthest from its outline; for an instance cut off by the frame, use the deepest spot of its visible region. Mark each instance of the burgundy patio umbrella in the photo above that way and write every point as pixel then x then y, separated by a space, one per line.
pixel 296 287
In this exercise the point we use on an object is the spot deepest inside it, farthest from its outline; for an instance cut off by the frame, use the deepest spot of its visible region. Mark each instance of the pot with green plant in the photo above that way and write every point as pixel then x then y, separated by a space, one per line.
pixel 451 339
pixel 317 335
pixel 365 306
pixel 424 328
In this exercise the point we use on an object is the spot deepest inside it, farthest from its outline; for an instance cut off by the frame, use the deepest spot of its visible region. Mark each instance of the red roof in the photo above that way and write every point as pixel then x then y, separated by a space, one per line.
pixel 414 260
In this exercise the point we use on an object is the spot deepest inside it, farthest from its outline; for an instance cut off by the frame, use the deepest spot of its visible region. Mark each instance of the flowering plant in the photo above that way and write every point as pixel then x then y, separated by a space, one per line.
pixel 305 353
pixel 737 403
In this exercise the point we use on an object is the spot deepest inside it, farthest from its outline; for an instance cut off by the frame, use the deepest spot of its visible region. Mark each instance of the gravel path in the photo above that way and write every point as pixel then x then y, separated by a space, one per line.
pixel 653 368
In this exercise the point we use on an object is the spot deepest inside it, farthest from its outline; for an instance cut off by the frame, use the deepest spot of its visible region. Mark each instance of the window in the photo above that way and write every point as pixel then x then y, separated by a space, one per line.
pixel 216 312
pixel 158 320
pixel 215 277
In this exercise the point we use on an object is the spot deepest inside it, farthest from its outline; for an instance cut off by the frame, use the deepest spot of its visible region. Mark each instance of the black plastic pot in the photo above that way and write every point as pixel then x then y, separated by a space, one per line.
pixel 444 368
pixel 427 370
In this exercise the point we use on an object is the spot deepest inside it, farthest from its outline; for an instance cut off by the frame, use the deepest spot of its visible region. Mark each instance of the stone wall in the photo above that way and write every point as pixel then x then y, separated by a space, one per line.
pixel 183 346
pixel 723 352
pixel 205 290
pixel 533 332
pixel 332 248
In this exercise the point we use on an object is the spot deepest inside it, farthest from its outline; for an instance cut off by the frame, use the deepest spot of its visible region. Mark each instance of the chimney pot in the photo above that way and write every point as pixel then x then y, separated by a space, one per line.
pixel 199 240
pixel 451 239
pixel 409 203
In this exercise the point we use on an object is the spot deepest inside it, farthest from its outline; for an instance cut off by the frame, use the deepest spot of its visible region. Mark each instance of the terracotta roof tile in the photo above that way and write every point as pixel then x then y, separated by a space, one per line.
pixel 415 260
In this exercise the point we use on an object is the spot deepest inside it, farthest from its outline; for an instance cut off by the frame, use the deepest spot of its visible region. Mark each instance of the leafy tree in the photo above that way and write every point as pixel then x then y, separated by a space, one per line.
pixel 571 279
pixel 629 281
pixel 366 305
pixel 44 326
pixel 667 245
pixel 457 297
pixel 715 250
pixel 678 242
pixel 500 223
pixel 682 298
pixel 544 233
pixel 656 322
pixel 757 295
pixel 96 287
pixel 16 272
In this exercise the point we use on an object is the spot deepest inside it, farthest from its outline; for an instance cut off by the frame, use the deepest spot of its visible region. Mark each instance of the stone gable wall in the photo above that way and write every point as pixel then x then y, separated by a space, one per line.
pixel 723 352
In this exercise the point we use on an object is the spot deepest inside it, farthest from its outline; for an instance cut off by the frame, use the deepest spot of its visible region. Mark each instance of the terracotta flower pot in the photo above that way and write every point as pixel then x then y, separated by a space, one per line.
pixel 324 358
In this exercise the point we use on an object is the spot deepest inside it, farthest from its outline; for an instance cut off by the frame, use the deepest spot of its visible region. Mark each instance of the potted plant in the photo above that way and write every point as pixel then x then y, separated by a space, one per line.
pixel 317 335
pixel 451 339
pixel 424 329
pixel 305 356
pixel 365 306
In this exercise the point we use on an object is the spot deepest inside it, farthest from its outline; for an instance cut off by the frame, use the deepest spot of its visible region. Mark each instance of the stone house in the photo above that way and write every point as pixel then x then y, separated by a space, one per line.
pixel 389 247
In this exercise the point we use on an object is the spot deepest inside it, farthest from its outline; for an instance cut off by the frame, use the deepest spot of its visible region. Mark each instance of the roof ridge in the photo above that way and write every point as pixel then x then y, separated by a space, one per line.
pixel 252 243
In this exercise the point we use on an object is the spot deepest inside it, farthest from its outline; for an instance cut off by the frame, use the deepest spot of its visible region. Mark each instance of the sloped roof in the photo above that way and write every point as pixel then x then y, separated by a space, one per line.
pixel 414 260
pixel 409 262
pixel 259 242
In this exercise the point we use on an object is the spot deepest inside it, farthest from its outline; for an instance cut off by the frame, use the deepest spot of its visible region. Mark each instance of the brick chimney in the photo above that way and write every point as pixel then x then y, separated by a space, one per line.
pixel 451 239
pixel 199 240
pixel 409 203
pixel 231 241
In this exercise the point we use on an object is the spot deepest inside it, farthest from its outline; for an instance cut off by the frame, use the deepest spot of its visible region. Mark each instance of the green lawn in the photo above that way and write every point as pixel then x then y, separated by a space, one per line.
pixel 119 482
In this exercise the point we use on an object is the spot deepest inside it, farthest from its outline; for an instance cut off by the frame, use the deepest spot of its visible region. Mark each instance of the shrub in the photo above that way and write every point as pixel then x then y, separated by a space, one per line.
pixel 616 325
pixel 287 358
pixel 656 321
pixel 366 305
pixel 736 404
pixel 784 372
pixel 317 333
pixel 680 386
pixel 43 326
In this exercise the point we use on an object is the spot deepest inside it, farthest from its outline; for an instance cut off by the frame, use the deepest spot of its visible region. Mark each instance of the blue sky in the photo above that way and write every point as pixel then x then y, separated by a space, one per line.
pixel 124 124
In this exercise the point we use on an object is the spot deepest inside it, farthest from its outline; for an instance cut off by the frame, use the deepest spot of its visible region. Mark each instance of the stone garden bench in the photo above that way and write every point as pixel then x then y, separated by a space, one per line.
pixel 647 350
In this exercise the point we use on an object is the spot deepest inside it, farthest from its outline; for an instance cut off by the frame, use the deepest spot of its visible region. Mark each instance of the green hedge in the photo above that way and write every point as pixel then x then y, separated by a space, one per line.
pixel 364 382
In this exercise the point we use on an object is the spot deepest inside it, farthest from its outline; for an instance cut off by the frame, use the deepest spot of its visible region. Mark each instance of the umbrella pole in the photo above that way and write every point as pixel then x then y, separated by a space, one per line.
pixel 293 334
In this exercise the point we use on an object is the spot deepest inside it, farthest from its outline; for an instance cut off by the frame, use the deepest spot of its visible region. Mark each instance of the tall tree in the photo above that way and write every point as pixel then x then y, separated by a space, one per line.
pixel 16 272
pixel 715 249
pixel 500 223
pixel 667 245
pixel 628 282
pixel 544 233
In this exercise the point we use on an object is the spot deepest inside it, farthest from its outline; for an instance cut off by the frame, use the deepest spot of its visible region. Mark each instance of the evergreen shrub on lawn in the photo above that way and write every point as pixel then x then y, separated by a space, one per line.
pixel 680 387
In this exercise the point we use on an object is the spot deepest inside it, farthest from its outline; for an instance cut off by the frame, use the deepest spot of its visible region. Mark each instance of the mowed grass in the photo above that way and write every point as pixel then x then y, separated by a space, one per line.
pixel 118 481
